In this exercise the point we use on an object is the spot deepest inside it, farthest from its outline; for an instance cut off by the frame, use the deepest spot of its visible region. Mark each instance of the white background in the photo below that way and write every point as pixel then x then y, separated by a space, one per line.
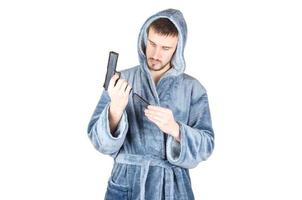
pixel 53 56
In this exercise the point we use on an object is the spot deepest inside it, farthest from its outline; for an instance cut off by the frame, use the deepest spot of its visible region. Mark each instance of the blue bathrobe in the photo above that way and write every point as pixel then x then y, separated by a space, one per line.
pixel 150 164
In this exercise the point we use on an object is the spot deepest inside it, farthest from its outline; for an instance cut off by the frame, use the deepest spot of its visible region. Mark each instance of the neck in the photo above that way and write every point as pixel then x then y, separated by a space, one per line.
pixel 156 75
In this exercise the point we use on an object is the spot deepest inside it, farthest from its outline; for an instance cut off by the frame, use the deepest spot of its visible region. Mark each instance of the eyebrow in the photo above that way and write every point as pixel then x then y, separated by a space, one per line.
pixel 156 44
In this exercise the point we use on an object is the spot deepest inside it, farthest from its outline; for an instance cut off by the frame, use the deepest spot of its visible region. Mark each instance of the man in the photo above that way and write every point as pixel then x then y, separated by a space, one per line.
pixel 154 147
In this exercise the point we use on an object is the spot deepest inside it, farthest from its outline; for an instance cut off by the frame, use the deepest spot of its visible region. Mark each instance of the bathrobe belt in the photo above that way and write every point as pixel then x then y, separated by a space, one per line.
pixel 145 161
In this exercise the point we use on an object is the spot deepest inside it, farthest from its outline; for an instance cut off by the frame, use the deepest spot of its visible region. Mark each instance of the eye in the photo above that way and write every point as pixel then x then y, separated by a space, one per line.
pixel 166 48
pixel 152 43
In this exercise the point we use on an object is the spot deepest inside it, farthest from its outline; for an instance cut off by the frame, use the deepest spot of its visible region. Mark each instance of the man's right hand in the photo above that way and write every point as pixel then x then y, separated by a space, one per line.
pixel 118 93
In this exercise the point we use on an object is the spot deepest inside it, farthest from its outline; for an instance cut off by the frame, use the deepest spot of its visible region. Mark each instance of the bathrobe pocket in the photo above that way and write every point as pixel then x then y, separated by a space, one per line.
pixel 116 191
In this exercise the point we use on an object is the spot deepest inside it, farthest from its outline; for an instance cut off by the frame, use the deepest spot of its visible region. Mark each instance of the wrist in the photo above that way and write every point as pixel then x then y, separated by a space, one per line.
pixel 176 132
pixel 115 111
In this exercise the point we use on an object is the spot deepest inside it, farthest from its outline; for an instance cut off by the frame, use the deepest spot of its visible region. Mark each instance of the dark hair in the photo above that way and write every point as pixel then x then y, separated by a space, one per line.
pixel 163 26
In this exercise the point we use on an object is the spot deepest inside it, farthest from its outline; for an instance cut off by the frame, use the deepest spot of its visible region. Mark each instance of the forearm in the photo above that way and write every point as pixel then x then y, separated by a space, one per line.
pixel 114 118
pixel 176 132
pixel 100 135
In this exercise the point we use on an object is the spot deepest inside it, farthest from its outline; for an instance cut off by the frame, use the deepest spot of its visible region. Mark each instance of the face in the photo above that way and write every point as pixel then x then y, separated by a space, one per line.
pixel 160 50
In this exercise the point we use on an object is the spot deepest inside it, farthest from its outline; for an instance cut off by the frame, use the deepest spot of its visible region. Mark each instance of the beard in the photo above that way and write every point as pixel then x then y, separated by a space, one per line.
pixel 156 65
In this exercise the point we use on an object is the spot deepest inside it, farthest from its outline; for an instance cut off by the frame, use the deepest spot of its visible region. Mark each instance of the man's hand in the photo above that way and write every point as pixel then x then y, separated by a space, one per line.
pixel 119 94
pixel 164 119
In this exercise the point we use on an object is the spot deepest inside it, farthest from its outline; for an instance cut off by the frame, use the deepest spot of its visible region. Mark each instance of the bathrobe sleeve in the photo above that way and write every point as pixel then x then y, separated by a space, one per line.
pixel 99 130
pixel 196 137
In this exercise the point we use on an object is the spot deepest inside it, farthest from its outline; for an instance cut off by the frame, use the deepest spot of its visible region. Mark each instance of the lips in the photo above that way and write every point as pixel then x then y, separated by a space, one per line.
pixel 154 61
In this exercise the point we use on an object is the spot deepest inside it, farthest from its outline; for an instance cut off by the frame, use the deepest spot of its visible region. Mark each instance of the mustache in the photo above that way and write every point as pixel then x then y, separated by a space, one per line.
pixel 153 59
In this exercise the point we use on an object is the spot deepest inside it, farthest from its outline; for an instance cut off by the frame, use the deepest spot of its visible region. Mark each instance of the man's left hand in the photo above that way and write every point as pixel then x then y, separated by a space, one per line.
pixel 164 119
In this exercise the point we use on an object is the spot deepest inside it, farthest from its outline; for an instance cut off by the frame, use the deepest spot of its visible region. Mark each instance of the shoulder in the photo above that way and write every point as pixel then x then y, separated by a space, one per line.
pixel 129 71
pixel 192 83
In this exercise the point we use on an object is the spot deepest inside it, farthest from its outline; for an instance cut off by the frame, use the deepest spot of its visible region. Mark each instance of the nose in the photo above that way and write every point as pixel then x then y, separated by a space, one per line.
pixel 156 53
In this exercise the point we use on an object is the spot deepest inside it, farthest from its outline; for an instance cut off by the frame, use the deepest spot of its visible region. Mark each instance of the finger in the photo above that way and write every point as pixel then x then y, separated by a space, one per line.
pixel 153 119
pixel 157 108
pixel 158 112
pixel 153 113
pixel 112 81
pixel 124 86
pixel 128 89
pixel 119 83
pixel 162 110
pixel 118 73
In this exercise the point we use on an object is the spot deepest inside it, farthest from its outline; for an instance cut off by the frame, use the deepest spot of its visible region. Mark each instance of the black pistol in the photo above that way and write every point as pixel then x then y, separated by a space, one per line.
pixel 111 69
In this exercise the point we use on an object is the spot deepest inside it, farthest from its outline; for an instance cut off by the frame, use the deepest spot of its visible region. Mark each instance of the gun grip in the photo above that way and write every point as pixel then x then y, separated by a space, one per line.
pixel 111 68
